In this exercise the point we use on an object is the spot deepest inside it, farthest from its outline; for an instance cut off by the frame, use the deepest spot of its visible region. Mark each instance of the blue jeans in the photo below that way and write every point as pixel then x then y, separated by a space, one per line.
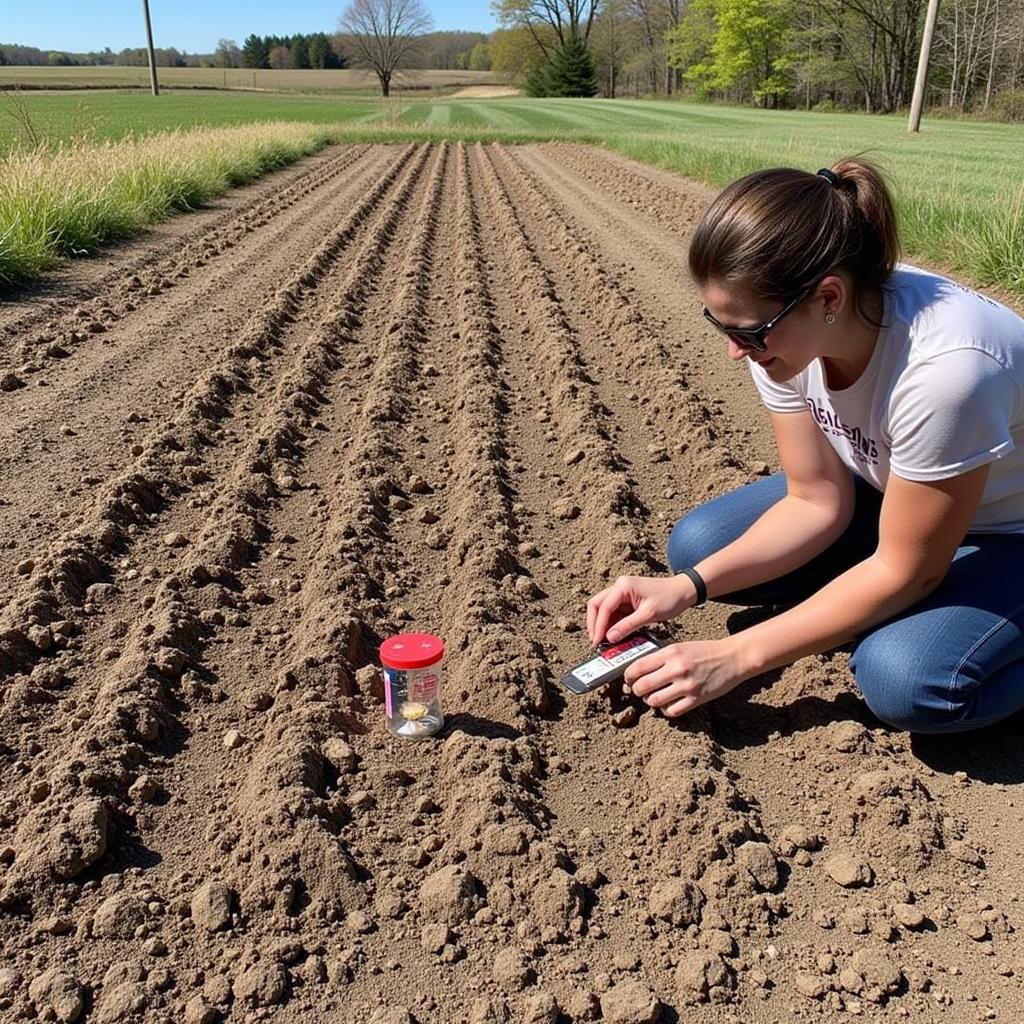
pixel 952 662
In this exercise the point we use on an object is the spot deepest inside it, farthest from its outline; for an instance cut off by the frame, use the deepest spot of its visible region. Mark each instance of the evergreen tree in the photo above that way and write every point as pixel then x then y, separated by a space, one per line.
pixel 318 50
pixel 300 52
pixel 571 71
pixel 537 82
pixel 254 53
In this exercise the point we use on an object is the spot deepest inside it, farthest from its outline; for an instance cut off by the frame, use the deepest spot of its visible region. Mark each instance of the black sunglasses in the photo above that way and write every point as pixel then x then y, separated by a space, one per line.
pixel 754 337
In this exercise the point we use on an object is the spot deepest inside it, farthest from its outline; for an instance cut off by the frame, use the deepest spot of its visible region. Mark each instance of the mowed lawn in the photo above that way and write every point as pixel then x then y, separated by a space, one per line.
pixel 959 184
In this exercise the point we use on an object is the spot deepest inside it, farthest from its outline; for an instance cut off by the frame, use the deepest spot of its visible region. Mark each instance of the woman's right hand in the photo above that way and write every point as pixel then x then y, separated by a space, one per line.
pixel 635 601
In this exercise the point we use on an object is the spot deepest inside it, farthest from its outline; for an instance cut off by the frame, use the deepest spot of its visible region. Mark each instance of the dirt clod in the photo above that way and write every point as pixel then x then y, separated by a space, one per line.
pixel 211 906
pixel 630 1002
pixel 849 870
pixel 57 995
pixel 511 969
pixel 263 984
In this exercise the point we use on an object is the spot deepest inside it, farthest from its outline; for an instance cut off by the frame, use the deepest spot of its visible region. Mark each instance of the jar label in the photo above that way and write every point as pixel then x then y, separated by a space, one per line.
pixel 423 686
pixel 418 685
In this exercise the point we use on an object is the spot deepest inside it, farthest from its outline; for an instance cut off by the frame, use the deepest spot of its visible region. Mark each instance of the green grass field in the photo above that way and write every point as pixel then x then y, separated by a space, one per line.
pixel 959 184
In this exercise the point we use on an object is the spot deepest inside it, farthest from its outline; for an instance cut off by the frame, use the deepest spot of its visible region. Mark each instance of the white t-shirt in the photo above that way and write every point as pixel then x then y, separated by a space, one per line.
pixel 942 394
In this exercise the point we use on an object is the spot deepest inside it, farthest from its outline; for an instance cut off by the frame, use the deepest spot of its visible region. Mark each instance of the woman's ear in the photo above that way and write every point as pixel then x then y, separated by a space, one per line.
pixel 832 293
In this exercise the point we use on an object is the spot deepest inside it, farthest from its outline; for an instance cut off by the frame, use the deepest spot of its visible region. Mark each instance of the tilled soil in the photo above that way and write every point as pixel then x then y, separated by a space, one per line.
pixel 452 389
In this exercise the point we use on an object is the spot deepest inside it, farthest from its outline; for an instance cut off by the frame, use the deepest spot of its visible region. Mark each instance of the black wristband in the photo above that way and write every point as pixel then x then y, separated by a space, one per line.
pixel 698 581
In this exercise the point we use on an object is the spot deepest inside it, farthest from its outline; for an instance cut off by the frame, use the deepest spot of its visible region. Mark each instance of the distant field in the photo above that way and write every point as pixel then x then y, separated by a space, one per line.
pixel 231 78
pixel 101 116
pixel 959 184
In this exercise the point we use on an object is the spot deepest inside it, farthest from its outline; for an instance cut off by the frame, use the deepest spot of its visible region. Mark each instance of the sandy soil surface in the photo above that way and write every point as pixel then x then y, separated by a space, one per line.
pixel 485 92
pixel 451 389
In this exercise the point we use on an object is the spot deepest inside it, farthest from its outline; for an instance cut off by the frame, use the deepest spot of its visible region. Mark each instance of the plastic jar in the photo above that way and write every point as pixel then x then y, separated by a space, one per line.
pixel 412 684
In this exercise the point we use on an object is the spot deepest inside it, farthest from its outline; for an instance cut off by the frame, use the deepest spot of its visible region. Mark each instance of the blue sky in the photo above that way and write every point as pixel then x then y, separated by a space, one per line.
pixel 192 25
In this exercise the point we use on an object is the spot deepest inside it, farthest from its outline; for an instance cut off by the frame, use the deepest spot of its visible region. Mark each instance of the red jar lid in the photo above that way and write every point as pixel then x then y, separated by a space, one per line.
pixel 411 650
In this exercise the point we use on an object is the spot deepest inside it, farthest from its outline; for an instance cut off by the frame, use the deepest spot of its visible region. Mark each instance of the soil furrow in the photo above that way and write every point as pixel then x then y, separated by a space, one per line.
pixel 164 466
pixel 292 797
pixel 566 397
pixel 705 870
pixel 689 447
pixel 649 256
pixel 156 651
pixel 47 426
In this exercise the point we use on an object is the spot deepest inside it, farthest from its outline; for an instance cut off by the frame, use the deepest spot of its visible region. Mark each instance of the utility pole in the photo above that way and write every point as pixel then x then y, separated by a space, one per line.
pixel 922 66
pixel 149 45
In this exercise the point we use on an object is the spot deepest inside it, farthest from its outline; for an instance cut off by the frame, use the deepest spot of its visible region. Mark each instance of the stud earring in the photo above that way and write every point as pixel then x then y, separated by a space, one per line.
pixel 830 317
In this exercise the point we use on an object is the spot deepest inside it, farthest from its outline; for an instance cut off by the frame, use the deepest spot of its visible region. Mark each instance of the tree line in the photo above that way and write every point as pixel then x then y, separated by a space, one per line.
pixel 823 54
pixel 451 50
pixel 16 55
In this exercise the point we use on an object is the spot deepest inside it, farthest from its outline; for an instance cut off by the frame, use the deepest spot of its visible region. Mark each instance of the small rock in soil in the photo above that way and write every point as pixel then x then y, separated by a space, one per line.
pixel 810 985
pixel 973 927
pixel 849 870
pixel 211 906
pixel 119 1002
pixel 797 837
pixel 699 973
pixel 117 917
pixel 511 969
pixel 435 937
pixel 626 718
pixel 197 1011
pixel 630 1002
pixel 9 982
pixel 565 508
pixel 359 921
pixel 450 894
pixel 83 842
pixel 232 739
pixel 262 984
pixel 169 662
pixel 488 1011
pixel 540 1008
pixel 339 755
pixel 909 916
pixel 676 901
pixel 759 861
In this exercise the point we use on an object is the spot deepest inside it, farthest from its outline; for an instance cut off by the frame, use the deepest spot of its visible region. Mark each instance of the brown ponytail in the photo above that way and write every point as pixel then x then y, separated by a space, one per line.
pixel 775 233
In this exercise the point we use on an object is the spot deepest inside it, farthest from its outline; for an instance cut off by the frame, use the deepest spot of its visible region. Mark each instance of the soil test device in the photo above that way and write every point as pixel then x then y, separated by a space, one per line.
pixel 608 662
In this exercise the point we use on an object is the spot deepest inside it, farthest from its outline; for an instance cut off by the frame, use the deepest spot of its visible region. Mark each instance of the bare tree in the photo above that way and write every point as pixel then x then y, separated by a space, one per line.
pixel 568 19
pixel 382 35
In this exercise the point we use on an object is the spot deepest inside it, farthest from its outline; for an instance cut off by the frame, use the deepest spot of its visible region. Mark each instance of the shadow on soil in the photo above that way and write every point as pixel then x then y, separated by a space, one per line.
pixel 993 754
pixel 474 725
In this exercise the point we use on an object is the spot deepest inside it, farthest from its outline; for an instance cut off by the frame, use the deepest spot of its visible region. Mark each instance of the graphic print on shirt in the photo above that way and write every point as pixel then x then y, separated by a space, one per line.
pixel 863 448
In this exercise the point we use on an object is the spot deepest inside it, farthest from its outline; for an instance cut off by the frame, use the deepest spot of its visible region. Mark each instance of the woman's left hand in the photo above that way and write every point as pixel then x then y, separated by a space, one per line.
pixel 681 677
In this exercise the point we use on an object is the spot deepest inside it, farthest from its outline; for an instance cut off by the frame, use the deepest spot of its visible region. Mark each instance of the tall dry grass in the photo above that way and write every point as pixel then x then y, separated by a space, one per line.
pixel 58 201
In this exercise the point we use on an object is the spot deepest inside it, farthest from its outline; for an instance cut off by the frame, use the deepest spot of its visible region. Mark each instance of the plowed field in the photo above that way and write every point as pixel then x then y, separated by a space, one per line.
pixel 452 389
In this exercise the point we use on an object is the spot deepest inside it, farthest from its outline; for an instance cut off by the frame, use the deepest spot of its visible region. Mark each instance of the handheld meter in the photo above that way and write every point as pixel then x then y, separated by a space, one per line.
pixel 608 662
